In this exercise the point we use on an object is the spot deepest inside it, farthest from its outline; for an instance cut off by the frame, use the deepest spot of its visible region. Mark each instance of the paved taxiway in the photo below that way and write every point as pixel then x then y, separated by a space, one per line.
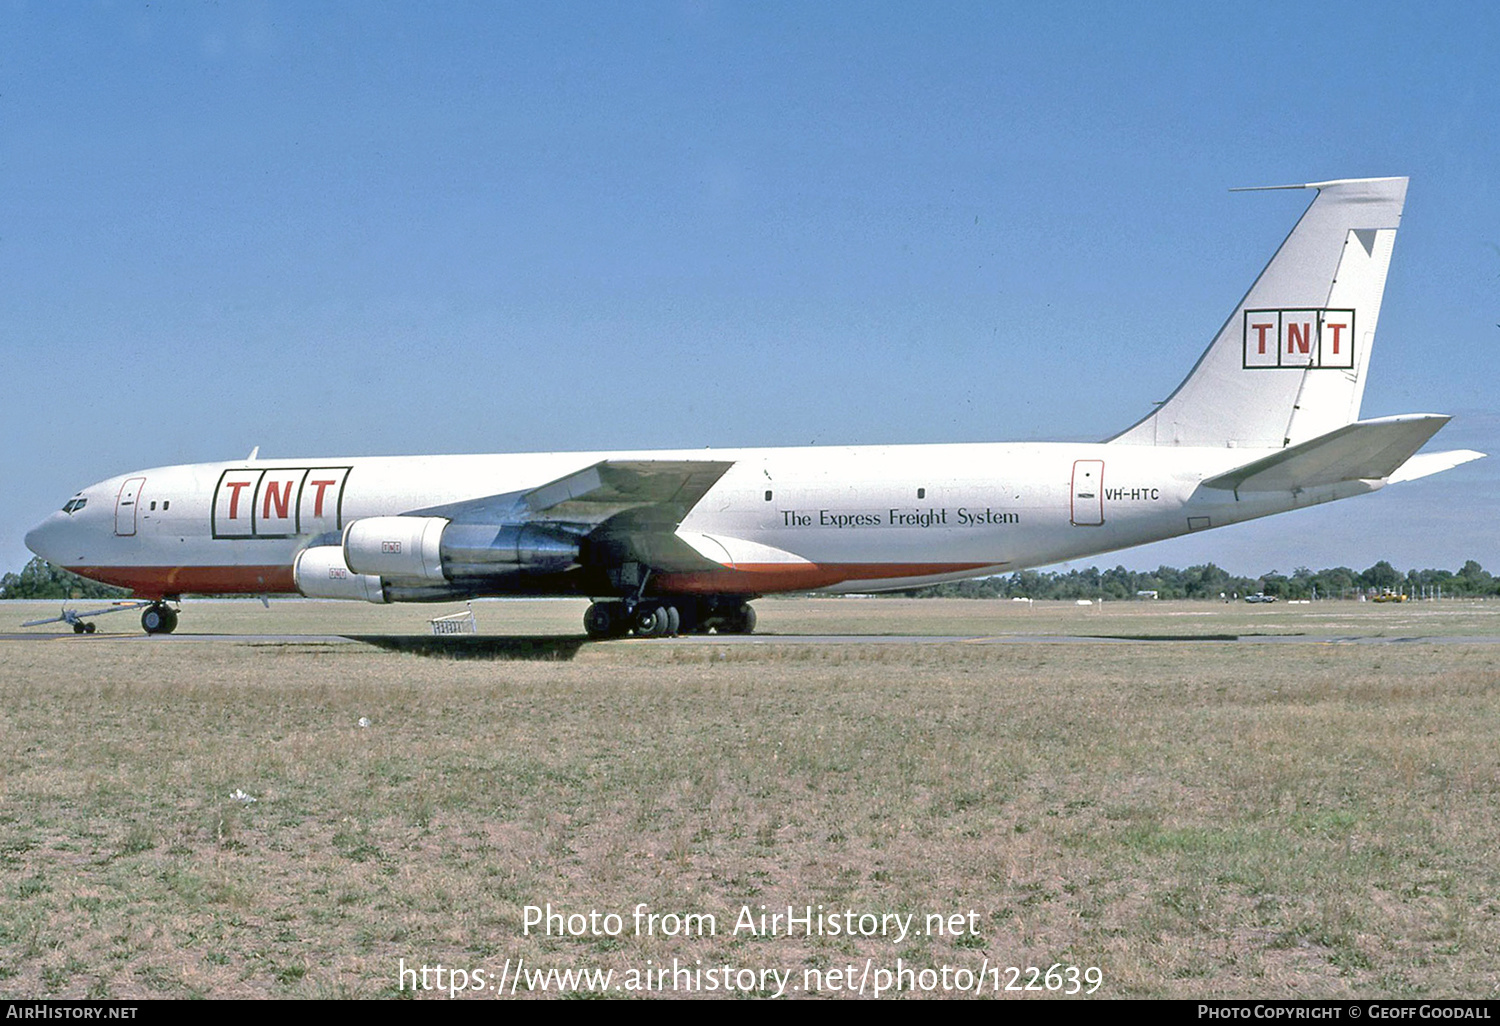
pixel 385 640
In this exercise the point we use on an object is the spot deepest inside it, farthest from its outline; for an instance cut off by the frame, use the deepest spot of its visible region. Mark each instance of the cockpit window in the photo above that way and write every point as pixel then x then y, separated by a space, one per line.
pixel 74 505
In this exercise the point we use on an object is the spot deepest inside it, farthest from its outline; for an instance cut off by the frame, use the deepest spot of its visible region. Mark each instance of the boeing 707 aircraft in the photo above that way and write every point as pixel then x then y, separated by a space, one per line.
pixel 1267 421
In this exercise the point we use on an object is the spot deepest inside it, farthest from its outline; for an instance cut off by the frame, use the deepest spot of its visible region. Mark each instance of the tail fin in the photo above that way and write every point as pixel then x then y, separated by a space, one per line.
pixel 1290 363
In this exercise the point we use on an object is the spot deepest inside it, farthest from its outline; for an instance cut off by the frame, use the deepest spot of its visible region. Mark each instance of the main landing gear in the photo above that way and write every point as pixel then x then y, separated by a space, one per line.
pixel 659 618
pixel 159 618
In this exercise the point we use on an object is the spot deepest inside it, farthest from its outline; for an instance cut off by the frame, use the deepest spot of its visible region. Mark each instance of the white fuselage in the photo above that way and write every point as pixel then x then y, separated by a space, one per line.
pixel 838 518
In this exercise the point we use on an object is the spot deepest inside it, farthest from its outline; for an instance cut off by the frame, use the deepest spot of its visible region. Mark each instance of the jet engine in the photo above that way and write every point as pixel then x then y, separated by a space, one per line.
pixel 436 549
pixel 428 559
pixel 320 572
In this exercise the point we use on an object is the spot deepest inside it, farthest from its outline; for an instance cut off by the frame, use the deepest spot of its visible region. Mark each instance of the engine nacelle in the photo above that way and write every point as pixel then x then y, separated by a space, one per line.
pixel 404 547
pixel 320 572
pixel 419 549
pixel 485 550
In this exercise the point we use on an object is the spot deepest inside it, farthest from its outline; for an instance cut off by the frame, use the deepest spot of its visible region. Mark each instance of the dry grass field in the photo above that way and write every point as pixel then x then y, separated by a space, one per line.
pixel 1194 818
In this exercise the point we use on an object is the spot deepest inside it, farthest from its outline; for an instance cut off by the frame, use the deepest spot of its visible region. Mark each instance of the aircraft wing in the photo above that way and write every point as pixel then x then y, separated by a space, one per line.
pixel 1364 450
pixel 661 491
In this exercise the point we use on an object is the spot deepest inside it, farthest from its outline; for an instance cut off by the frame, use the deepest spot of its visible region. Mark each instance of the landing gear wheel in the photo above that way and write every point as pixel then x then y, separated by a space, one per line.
pixel 652 621
pixel 605 620
pixel 674 621
pixel 740 620
pixel 79 628
pixel 159 619
pixel 88 628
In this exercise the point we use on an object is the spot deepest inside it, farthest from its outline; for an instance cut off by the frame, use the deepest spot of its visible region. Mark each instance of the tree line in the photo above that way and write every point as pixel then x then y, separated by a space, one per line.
pixel 42 580
pixel 1211 582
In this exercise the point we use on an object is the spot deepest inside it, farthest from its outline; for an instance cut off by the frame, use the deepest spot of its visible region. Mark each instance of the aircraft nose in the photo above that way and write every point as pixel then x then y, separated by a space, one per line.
pixel 42 539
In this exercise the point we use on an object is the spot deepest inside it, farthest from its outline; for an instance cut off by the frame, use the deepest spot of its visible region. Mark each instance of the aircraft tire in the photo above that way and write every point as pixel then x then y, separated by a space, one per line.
pixel 603 620
pixel 88 628
pixel 651 621
pixel 78 628
pixel 158 620
pixel 674 621
pixel 739 621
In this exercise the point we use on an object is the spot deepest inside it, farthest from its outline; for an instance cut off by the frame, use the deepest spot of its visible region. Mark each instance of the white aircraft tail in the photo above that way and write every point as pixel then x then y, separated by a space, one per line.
pixel 1289 365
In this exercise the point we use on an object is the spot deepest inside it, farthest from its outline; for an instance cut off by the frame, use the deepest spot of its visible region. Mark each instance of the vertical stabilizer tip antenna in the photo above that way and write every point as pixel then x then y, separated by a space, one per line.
pixel 1317 185
pixel 1271 188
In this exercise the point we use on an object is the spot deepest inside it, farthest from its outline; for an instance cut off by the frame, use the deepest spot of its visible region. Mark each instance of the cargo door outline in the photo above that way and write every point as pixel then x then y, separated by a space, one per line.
pixel 126 504
pixel 1088 493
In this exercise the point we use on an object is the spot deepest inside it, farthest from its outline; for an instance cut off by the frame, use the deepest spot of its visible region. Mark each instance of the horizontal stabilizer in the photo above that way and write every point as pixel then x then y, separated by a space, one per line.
pixel 1369 450
pixel 1433 463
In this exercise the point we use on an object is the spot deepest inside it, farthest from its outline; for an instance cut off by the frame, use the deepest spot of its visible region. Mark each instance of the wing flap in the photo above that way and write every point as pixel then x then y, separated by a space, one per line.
pixel 1364 450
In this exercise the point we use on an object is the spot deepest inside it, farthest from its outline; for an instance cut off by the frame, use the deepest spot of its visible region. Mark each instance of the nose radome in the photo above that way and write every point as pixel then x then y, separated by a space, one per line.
pixel 41 539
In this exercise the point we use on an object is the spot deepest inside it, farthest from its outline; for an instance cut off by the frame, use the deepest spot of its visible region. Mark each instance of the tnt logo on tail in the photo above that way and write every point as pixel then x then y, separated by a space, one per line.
pixel 1316 339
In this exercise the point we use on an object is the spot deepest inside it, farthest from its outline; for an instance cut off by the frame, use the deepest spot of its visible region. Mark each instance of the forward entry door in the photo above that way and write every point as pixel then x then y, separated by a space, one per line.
pixel 125 506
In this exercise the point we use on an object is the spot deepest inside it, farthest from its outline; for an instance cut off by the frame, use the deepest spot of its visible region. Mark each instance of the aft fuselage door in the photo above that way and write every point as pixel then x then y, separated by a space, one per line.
pixel 1088 493
pixel 125 506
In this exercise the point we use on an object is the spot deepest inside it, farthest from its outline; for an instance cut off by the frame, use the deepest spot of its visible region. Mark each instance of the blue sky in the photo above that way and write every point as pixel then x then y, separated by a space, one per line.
pixel 395 228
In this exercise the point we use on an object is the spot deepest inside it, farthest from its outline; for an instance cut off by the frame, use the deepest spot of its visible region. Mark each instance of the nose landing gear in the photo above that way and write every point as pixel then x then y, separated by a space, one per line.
pixel 159 618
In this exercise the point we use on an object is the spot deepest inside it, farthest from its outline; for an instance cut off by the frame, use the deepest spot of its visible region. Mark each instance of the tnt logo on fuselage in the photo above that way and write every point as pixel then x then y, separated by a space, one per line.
pixel 1320 339
pixel 278 502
